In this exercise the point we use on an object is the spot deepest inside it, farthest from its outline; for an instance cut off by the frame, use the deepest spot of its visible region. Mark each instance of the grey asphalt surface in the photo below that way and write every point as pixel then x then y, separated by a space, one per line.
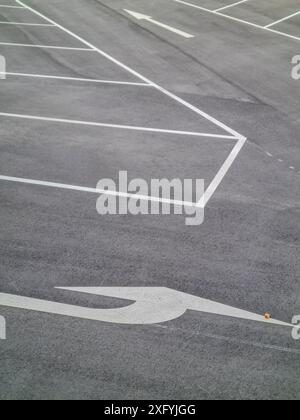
pixel 246 254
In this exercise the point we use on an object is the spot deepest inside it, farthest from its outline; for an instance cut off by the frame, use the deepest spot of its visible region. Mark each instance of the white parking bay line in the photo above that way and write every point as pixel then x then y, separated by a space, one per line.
pixel 231 5
pixel 117 126
pixel 98 191
pixel 26 24
pixel 8 6
pixel 283 19
pixel 76 79
pixel 12 44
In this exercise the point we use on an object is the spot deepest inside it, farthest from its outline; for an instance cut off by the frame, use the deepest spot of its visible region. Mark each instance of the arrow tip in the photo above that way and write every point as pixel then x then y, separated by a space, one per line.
pixel 136 15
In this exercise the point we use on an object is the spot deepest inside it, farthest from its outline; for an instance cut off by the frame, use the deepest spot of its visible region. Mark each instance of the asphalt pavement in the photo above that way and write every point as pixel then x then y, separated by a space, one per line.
pixel 92 90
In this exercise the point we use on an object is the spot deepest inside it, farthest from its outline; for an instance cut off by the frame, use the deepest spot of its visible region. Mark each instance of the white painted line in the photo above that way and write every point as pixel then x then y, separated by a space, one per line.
pixel 241 139
pixel 117 126
pixel 11 7
pixel 195 6
pixel 211 189
pixel 98 191
pixel 283 33
pixel 231 5
pixel 11 44
pixel 140 16
pixel 282 20
pixel 76 79
pixel 27 24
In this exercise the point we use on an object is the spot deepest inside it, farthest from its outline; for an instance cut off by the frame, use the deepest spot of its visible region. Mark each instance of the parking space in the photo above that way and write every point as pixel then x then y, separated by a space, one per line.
pixel 83 155
pixel 66 63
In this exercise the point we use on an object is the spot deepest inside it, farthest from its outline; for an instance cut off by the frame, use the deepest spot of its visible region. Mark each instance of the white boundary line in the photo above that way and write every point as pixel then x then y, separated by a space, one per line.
pixel 231 5
pixel 214 12
pixel 99 191
pixel 12 44
pixel 26 24
pixel 241 140
pixel 117 126
pixel 11 7
pixel 282 20
pixel 76 79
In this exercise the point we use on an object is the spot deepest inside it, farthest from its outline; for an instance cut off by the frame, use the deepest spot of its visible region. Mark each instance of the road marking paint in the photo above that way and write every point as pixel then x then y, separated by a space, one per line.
pixel 195 6
pixel 117 126
pixel 240 139
pixel 211 189
pixel 99 191
pixel 282 20
pixel 231 5
pixel 140 16
pixel 152 305
pixel 26 24
pixel 76 79
pixel 269 154
pixel 12 7
pixel 282 33
pixel 12 44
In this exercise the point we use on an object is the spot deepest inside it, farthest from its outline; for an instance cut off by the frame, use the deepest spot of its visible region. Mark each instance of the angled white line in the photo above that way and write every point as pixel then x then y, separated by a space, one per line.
pixel 76 79
pixel 118 126
pixel 27 24
pixel 98 191
pixel 211 189
pixel 195 6
pixel 231 5
pixel 282 20
pixel 11 7
pixel 13 44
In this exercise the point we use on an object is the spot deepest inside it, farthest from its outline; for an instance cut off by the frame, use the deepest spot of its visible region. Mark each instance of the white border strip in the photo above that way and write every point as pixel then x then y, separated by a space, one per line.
pixel 27 24
pixel 8 6
pixel 12 44
pixel 99 191
pixel 76 79
pixel 117 126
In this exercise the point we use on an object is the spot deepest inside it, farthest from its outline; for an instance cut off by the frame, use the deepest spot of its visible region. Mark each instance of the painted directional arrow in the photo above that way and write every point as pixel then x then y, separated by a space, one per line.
pixel 140 16
pixel 151 305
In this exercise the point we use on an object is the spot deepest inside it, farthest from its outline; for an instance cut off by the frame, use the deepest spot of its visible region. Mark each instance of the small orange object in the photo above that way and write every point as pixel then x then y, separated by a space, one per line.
pixel 267 316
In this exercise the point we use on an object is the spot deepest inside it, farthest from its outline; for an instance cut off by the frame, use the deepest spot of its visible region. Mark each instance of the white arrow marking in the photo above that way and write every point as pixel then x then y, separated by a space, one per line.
pixel 139 16
pixel 152 305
